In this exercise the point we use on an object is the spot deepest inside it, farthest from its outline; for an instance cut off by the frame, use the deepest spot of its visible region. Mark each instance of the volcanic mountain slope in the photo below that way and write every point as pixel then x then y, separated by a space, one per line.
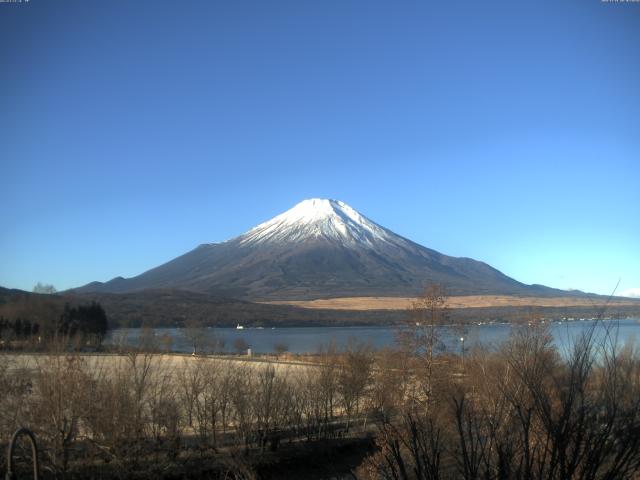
pixel 320 248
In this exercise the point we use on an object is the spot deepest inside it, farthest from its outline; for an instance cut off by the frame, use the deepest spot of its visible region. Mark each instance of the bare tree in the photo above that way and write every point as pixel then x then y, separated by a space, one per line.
pixel 58 405
pixel 166 342
pixel 44 288
pixel 191 382
pixel 194 335
pixel 240 345
pixel 240 400
pixel 163 409
pixel 354 377
pixel 212 403
pixel 270 406
pixel 422 340
pixel 389 384
pixel 525 411
pixel 213 342
pixel 280 348
pixel 326 385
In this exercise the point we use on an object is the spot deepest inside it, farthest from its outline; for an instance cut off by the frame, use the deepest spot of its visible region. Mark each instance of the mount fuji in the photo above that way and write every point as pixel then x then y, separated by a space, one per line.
pixel 319 249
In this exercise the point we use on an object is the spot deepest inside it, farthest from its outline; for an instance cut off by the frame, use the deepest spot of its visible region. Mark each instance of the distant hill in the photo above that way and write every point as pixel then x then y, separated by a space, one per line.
pixel 320 249
pixel 177 308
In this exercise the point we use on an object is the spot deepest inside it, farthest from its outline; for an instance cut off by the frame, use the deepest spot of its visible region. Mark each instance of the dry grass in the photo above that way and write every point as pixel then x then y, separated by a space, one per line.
pixel 173 363
pixel 471 301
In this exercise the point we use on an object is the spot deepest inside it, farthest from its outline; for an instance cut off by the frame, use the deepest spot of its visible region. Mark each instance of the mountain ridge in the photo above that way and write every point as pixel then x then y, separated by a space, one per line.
pixel 320 248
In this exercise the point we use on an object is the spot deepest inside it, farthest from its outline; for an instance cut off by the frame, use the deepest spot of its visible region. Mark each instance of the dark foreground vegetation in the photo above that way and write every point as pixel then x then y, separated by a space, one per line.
pixel 523 410
pixel 35 323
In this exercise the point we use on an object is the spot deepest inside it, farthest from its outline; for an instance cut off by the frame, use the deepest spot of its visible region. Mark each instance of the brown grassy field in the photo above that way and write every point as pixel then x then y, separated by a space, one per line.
pixel 471 301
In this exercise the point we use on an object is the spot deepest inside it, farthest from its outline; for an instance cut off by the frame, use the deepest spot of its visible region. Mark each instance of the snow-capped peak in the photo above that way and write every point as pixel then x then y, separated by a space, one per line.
pixel 319 218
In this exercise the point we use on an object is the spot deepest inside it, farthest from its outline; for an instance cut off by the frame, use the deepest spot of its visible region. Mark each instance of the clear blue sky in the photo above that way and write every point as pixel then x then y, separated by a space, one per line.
pixel 506 131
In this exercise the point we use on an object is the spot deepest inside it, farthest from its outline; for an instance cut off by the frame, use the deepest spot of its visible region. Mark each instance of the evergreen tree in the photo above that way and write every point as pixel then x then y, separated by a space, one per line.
pixel 17 328
pixel 89 321
pixel 26 329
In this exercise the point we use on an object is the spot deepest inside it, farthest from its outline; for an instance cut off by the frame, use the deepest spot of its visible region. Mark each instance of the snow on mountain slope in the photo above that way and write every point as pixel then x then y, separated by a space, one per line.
pixel 319 249
pixel 318 218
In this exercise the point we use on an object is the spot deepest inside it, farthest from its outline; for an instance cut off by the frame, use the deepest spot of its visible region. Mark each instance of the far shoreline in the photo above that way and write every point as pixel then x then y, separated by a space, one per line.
pixel 453 302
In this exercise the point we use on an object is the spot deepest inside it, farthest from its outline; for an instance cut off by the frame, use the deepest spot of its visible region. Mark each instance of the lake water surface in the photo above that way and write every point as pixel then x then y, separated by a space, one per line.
pixel 309 339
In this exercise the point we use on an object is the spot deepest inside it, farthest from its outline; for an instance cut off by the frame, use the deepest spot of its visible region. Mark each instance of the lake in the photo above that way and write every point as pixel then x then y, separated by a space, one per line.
pixel 309 339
